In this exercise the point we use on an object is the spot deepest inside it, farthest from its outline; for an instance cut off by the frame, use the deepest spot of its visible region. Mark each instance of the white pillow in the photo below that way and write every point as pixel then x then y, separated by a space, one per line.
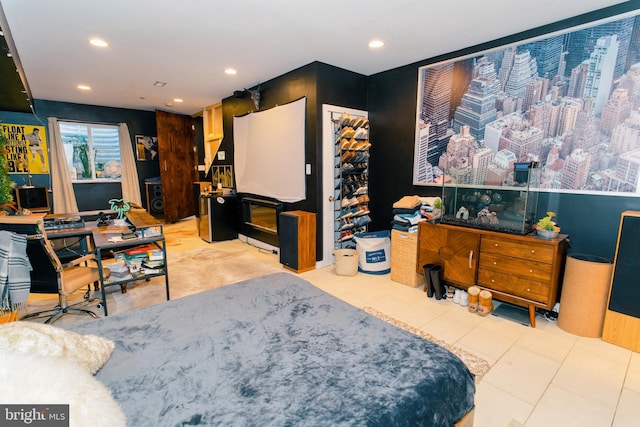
pixel 91 351
pixel 35 379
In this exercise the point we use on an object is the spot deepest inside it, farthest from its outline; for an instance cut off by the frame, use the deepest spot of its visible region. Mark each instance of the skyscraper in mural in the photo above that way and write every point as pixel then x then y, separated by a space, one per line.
pixel 570 102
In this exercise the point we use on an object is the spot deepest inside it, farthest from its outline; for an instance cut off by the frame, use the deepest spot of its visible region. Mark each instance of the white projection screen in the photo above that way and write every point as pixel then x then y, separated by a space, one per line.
pixel 269 152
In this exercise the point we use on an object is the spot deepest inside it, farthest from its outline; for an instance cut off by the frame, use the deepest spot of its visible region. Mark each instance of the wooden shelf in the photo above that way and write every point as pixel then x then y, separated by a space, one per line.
pixel 213 132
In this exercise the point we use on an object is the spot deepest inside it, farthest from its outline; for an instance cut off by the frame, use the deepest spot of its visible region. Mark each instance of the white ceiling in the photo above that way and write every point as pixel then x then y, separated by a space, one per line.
pixel 189 43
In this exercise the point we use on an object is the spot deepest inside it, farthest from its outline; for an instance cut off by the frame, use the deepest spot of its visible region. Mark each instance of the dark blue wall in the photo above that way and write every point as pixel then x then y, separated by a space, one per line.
pixel 88 195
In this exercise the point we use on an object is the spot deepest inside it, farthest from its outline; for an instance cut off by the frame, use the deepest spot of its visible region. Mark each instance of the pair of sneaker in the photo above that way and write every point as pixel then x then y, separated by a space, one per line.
pixel 461 297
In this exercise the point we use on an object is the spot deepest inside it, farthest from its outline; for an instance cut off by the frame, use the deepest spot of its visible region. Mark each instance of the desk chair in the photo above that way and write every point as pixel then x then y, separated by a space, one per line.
pixel 49 275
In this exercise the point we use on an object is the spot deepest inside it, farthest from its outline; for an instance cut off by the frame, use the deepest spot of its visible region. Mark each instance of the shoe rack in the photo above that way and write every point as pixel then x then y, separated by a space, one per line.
pixel 351 181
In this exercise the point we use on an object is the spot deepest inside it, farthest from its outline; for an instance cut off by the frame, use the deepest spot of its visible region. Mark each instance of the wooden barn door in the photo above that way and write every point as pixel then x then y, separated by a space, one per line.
pixel 177 164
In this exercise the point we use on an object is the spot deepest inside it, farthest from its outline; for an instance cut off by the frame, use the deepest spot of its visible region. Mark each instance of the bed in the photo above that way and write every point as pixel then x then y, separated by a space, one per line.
pixel 276 351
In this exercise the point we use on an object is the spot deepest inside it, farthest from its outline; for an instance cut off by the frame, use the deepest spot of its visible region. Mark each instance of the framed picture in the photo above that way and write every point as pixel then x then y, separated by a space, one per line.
pixel 222 174
pixel 27 148
pixel 567 100
pixel 146 148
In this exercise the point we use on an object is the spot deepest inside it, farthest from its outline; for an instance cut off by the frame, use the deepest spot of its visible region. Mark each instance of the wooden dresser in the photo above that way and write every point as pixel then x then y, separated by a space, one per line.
pixel 522 270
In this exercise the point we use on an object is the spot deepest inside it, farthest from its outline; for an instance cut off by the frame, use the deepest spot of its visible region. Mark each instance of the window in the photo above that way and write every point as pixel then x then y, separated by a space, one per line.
pixel 92 151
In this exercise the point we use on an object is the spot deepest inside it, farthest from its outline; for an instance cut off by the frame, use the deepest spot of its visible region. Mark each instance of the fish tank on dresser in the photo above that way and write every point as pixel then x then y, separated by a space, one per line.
pixel 492 198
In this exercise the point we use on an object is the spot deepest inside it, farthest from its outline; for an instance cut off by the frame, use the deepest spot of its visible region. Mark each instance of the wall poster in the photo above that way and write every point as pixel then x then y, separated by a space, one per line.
pixel 27 148
pixel 146 147
pixel 569 100
pixel 222 175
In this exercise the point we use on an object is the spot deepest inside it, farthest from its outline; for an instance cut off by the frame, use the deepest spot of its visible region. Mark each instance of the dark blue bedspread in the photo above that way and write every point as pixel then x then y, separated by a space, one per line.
pixel 276 351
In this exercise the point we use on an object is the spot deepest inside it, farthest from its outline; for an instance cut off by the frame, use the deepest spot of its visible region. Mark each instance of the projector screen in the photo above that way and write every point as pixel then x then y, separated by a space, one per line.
pixel 269 152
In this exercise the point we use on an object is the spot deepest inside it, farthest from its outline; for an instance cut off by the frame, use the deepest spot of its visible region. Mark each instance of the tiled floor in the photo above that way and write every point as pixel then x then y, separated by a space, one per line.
pixel 538 377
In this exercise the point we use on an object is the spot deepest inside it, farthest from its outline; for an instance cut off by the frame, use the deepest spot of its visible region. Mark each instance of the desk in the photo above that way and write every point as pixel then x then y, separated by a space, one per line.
pixel 149 230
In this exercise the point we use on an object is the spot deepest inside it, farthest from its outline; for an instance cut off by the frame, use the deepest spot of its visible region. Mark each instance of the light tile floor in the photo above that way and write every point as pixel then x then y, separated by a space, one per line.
pixel 539 376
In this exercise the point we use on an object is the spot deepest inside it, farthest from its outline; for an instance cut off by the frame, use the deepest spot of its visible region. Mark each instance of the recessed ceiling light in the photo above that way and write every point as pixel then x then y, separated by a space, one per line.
pixel 84 87
pixel 168 104
pixel 177 100
pixel 375 44
pixel 98 42
pixel 230 71
pixel 160 84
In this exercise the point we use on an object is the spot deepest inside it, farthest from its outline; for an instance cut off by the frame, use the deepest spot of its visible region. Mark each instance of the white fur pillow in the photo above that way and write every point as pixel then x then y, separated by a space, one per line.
pixel 91 351
pixel 36 379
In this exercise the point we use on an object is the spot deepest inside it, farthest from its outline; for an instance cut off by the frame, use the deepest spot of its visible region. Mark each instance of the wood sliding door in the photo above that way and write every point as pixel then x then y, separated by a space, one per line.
pixel 177 155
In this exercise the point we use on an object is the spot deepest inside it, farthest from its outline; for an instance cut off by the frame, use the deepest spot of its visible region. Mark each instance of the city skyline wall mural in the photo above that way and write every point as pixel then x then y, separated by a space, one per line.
pixel 568 101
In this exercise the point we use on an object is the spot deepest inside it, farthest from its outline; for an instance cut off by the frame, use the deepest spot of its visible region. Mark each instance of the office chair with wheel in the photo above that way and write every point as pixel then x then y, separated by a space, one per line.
pixel 49 275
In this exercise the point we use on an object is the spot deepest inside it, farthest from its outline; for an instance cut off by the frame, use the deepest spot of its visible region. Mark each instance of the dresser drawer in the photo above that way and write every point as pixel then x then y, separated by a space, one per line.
pixel 513 285
pixel 531 270
pixel 528 250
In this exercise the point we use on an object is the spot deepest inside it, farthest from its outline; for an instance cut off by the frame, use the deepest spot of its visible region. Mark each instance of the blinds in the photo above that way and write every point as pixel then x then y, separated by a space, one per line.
pixel 101 140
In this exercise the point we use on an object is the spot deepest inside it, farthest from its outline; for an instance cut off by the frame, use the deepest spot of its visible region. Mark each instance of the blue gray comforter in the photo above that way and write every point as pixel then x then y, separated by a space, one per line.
pixel 276 351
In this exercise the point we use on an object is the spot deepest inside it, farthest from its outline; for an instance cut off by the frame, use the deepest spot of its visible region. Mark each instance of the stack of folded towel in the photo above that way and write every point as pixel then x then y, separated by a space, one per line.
pixel 406 214
pixel 411 210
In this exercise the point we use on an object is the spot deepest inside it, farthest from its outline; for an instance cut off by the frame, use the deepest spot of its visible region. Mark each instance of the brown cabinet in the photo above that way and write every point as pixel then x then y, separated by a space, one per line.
pixel 522 270
pixel 455 249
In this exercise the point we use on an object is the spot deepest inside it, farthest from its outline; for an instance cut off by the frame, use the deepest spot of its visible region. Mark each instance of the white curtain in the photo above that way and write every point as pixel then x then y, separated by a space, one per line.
pixel 64 199
pixel 129 180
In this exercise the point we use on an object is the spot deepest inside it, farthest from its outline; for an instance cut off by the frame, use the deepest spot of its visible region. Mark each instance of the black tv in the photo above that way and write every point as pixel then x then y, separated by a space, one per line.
pixel 36 199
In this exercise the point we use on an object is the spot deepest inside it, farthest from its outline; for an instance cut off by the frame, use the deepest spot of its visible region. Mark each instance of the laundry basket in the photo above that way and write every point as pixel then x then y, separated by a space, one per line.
pixel 374 250
pixel 346 262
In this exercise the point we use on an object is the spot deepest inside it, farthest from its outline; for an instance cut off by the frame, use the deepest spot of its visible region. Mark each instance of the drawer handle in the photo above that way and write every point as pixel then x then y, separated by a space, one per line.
pixel 495 263
pixel 528 289
pixel 493 281
pixel 533 251
pixel 495 244
pixel 530 271
pixel 470 259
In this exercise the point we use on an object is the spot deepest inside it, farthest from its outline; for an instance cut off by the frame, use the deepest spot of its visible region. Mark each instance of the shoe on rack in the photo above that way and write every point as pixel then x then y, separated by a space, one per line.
pixel 347 156
pixel 349 213
pixel 363 220
pixel 347 225
pixel 345 118
pixel 360 133
pixel 363 199
pixel 361 190
pixel 347 132
pixel 347 235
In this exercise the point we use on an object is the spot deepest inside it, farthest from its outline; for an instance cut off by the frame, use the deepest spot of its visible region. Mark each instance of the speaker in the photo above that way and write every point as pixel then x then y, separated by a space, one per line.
pixel 155 204
pixel 297 235
pixel 622 317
